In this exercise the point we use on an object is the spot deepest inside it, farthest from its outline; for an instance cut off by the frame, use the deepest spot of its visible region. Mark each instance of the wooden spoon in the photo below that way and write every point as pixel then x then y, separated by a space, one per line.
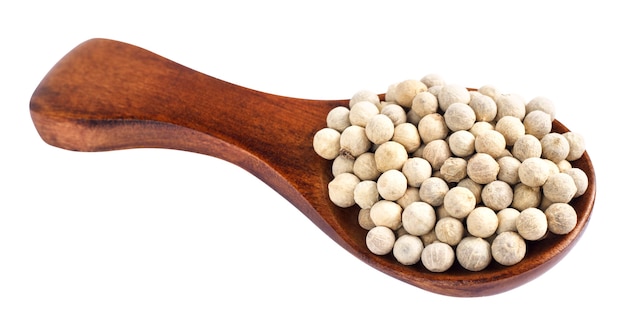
pixel 108 95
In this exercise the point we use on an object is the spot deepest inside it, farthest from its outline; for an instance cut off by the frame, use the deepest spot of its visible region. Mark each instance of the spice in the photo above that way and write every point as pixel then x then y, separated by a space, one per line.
pixel 391 185
pixel 386 213
pixel 461 143
pixel 560 187
pixel 561 218
pixel 379 129
pixel 361 112
pixel 390 155
pixel 326 143
pixel 419 218
pixel 408 249
pixel 497 195
pixel 482 222
pixel 449 230
pixel 459 201
pixel 341 189
pixel 416 170
pixel 482 168
pixel 435 166
pixel 473 253
pixel 508 248
pixel 353 141
pixel 438 257
pixel 532 224
pixel 380 240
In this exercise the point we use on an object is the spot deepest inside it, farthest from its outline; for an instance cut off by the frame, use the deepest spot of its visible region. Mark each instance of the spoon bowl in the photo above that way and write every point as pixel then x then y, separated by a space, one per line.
pixel 108 95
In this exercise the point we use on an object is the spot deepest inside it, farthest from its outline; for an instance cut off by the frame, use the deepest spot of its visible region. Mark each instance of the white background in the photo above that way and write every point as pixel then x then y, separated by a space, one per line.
pixel 168 240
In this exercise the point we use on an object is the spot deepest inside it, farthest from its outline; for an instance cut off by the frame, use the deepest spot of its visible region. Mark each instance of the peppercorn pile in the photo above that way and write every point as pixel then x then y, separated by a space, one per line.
pixel 444 174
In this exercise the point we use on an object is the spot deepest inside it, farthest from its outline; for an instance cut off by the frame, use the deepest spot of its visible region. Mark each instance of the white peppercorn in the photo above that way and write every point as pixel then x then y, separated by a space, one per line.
pixel 564 165
pixel 365 167
pixel 433 190
pixel 408 249
pixel 406 134
pixel 449 230
pixel 473 254
pixel 560 187
pixel 441 212
pixel 459 116
pixel 459 202
pixel 507 218
pixel 562 218
pixel 338 118
pixel 391 184
pixel 525 196
pixel 365 221
pixel 353 141
pixel 341 189
pixel 474 187
pixel 480 127
pixel 416 170
pixel 390 95
pixel 432 127
pixel 366 194
pixel 489 90
pixel 453 169
pixel 379 129
pixel 361 113
pixel 400 232
pixel 437 257
pixel 580 179
pixel 380 240
pixel 510 105
pixel 538 123
pixel 461 143
pixel 576 144
pixel 432 79
pixel 424 103
pixel 429 238
pixel 342 164
pixel 412 194
pixel 552 167
pixel 484 107
pixel 554 147
pixel 452 93
pixel 541 103
pixel 482 168
pixel 364 95
pixel 435 89
pixel 534 171
pixel 497 195
pixel 511 128
pixel 482 222
pixel 508 248
pixel 490 142
pixel 545 203
pixel 418 218
pixel 406 90
pixel 395 112
pixel 436 152
pixel 509 169
pixel 390 155
pixel 386 213
pixel 532 224
pixel 326 143
pixel 526 147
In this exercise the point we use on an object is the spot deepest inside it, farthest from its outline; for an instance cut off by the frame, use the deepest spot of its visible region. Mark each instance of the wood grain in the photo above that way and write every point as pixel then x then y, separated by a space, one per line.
pixel 107 95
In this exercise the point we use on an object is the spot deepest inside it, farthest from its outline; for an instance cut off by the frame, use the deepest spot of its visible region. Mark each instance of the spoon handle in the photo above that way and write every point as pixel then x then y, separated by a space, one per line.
pixel 108 95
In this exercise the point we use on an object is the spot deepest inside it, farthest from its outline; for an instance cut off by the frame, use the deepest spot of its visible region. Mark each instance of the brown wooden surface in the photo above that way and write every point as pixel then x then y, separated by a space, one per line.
pixel 107 95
